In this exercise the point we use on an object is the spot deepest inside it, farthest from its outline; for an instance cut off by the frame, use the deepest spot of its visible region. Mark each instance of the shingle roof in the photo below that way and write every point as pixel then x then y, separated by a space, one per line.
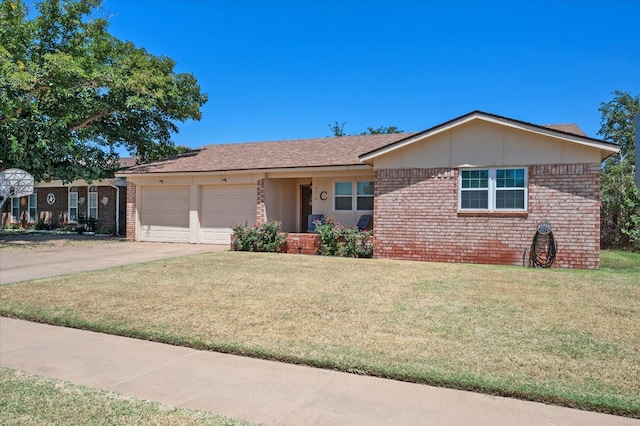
pixel 126 162
pixel 301 153
pixel 567 128
pixel 342 151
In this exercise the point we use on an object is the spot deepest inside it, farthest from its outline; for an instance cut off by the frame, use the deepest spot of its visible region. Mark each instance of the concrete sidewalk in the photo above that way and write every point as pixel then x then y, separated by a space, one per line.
pixel 265 392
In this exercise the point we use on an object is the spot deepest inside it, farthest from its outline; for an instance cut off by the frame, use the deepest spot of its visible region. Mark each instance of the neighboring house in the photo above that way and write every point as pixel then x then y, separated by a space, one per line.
pixel 58 205
pixel 472 190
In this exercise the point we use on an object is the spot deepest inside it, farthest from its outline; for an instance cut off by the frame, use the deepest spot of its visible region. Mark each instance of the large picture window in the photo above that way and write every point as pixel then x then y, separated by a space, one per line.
pixel 353 195
pixel 493 189
pixel 33 207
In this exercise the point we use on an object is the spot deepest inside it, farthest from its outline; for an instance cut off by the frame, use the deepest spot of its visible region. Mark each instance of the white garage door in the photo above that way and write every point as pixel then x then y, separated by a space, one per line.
pixel 223 207
pixel 164 214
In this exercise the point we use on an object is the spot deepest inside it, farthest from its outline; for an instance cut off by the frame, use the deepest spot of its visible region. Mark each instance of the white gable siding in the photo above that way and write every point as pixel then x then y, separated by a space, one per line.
pixel 486 144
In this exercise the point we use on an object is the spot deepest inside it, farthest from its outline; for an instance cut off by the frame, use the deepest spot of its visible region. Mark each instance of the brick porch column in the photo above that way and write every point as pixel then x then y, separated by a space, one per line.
pixel 261 210
pixel 131 211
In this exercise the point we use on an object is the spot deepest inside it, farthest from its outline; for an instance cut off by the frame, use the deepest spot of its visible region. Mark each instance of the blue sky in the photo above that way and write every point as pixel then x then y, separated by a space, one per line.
pixel 278 70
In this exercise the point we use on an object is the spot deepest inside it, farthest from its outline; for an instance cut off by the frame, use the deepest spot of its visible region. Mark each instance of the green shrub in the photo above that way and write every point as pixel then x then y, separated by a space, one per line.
pixel 11 226
pixel 92 223
pixel 339 240
pixel 245 238
pixel 103 230
pixel 41 226
pixel 357 243
pixel 267 237
pixel 329 233
pixel 270 238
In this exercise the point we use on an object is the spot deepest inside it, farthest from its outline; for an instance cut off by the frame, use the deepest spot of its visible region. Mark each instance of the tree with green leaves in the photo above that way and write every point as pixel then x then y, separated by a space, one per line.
pixel 619 196
pixel 382 130
pixel 71 94
pixel 338 130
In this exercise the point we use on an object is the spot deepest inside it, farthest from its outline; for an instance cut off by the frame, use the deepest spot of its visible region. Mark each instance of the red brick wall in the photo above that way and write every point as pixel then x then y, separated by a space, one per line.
pixel 131 211
pixel 302 243
pixel 296 243
pixel 106 212
pixel 416 217
pixel 56 214
pixel 23 215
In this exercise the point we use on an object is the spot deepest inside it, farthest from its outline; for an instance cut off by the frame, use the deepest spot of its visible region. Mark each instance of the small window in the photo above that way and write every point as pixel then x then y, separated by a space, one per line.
pixel 493 189
pixel 15 209
pixel 365 195
pixel 474 189
pixel 510 189
pixel 343 196
pixel 346 199
pixel 73 204
pixel 33 207
pixel 93 202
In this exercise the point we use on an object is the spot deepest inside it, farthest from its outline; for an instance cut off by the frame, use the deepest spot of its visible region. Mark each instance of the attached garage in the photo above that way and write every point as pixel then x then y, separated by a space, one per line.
pixel 223 207
pixel 164 214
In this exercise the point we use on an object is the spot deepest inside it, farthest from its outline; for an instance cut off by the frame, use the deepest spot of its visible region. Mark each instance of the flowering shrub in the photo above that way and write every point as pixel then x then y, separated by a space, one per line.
pixel 245 238
pixel 339 240
pixel 262 238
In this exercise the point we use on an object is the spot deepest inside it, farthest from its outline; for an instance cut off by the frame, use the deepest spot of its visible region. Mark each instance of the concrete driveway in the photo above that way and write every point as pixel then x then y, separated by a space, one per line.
pixel 30 256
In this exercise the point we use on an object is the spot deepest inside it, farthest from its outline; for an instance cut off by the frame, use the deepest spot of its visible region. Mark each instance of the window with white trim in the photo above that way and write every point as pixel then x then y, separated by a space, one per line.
pixel 73 204
pixel 33 207
pixel 15 209
pixel 353 195
pixel 93 202
pixel 493 189
pixel 364 192
pixel 343 196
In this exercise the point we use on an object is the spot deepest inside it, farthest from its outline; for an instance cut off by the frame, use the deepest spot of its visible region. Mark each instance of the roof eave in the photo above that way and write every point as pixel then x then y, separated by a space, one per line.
pixel 309 169
pixel 606 148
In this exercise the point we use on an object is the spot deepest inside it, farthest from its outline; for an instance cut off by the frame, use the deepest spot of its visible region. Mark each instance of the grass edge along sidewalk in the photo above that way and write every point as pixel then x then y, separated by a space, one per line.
pixel 28 399
pixel 552 336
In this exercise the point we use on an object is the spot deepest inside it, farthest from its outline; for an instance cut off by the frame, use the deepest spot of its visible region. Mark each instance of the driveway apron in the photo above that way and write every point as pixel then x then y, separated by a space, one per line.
pixel 40 261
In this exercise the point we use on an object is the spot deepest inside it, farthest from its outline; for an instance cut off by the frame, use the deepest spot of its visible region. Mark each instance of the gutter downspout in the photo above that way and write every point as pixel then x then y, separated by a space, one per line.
pixel 117 209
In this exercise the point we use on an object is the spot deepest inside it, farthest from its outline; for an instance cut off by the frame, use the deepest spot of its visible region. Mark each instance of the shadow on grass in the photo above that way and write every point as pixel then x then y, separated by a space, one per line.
pixel 620 261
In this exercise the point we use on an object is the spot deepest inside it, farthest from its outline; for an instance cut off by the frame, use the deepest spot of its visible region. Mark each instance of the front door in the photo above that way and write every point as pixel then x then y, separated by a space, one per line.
pixel 305 207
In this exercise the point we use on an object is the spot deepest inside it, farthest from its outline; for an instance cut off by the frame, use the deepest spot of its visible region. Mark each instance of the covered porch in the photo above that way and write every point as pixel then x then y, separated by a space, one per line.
pixel 344 195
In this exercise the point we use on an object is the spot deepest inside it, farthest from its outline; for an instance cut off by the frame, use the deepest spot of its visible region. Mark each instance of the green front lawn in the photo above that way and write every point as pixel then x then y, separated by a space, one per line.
pixel 566 337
